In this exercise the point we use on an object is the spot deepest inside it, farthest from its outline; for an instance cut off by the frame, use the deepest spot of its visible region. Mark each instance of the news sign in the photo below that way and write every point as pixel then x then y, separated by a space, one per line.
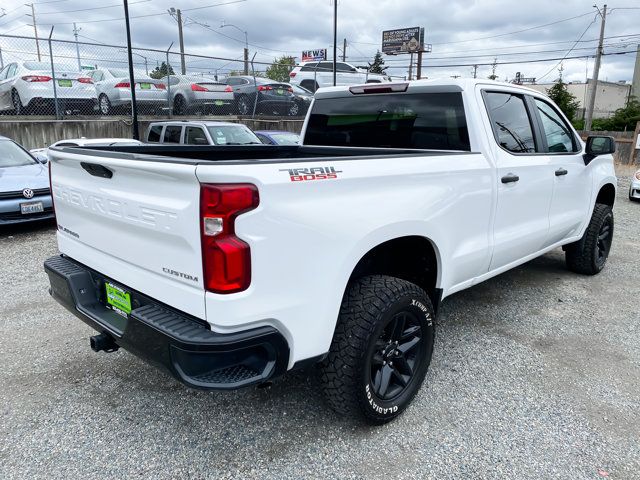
pixel 403 40
pixel 314 55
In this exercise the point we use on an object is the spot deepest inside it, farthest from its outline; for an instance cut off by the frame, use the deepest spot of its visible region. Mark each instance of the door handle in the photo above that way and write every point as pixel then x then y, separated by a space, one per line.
pixel 560 172
pixel 510 178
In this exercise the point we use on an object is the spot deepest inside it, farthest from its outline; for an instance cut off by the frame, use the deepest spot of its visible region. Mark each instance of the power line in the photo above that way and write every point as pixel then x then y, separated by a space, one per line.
pixel 89 9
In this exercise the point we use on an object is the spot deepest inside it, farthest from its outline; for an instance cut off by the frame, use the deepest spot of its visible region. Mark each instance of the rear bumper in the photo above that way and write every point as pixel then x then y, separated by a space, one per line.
pixel 166 338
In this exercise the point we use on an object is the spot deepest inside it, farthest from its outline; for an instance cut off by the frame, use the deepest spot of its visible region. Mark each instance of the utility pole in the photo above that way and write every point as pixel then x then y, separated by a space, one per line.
pixel 183 67
pixel 419 65
pixel 132 81
pixel 411 66
pixel 35 27
pixel 475 71
pixel 344 50
pixel 335 38
pixel 596 72
pixel 76 30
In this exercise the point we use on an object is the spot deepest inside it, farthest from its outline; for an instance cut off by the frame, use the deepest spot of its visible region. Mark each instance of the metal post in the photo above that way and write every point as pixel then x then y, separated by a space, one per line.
pixel 246 61
pixel 169 82
pixel 255 85
pixel 132 81
pixel 1 60
pixel 344 50
pixel 335 38
pixel 35 28
pixel 596 72
pixel 183 67
pixel 53 77
pixel 475 71
pixel 75 34
pixel 411 67
pixel 419 66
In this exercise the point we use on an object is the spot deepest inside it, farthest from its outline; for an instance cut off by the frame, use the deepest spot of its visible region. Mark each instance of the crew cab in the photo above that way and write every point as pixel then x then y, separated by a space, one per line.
pixel 229 265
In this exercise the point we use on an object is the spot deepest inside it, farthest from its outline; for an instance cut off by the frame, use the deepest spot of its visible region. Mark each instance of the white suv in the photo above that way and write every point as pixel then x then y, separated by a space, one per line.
pixel 313 75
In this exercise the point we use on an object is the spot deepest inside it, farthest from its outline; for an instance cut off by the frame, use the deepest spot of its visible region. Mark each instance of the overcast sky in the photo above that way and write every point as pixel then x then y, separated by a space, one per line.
pixel 457 29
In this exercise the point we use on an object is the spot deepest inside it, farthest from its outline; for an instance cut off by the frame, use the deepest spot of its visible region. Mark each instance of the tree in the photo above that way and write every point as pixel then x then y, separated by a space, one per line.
pixel 161 71
pixel 623 119
pixel 377 65
pixel 562 97
pixel 280 68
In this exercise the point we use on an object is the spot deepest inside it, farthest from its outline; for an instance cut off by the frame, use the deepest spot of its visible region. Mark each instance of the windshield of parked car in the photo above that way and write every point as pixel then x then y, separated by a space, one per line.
pixel 286 138
pixel 232 135
pixel 47 66
pixel 11 155
pixel 299 89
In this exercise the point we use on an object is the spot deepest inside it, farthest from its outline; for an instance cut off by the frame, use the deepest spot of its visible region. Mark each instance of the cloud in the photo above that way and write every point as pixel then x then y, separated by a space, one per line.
pixel 458 30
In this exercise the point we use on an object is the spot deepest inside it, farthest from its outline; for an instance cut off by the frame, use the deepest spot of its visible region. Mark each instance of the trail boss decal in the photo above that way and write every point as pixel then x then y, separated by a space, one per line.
pixel 313 173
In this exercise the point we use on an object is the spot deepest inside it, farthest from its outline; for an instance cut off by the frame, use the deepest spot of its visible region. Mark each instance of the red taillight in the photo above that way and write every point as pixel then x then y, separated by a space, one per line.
pixel 160 86
pixel 262 88
pixel 226 259
pixel 122 85
pixel 198 88
pixel 290 90
pixel 292 74
pixel 85 80
pixel 36 78
pixel 228 89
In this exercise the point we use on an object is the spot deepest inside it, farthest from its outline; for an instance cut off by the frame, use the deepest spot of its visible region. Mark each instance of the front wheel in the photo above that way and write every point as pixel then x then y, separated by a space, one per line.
pixel 589 254
pixel 381 349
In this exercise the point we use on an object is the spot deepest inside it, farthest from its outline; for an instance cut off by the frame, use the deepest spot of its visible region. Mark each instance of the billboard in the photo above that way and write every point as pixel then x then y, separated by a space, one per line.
pixel 314 55
pixel 403 40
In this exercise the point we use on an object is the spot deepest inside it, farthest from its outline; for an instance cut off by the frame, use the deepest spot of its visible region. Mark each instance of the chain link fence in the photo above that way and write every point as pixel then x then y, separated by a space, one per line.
pixel 60 78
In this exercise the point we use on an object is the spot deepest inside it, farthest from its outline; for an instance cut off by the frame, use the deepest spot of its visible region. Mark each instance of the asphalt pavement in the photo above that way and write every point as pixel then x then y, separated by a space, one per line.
pixel 535 374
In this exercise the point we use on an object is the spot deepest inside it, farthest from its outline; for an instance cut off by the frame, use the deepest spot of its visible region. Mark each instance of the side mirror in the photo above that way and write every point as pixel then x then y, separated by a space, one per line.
pixel 598 145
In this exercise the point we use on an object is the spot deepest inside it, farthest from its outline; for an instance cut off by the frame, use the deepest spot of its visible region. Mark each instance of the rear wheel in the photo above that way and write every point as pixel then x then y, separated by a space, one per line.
pixel 104 105
pixel 18 107
pixel 243 106
pixel 589 254
pixel 381 349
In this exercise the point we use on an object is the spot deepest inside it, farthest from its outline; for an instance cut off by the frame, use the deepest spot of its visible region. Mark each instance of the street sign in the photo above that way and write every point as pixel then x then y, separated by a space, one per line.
pixel 314 55
pixel 403 40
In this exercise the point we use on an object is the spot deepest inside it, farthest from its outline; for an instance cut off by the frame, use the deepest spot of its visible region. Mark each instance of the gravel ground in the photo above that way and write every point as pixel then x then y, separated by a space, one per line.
pixel 535 375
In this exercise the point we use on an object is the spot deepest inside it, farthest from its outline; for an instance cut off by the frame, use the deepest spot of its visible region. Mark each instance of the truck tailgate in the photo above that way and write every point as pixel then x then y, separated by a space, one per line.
pixel 132 220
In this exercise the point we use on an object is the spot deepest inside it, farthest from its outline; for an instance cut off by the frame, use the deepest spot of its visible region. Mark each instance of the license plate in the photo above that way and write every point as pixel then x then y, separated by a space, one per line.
pixel 145 86
pixel 33 207
pixel 118 299
pixel 280 91
pixel 219 103
pixel 64 83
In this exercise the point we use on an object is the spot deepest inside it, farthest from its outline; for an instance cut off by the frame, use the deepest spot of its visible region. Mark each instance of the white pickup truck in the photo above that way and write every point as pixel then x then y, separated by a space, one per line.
pixel 231 265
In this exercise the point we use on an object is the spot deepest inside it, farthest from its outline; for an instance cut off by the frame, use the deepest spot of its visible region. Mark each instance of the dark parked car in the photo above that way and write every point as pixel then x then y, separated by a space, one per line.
pixel 273 98
pixel 277 137
pixel 303 99
pixel 24 185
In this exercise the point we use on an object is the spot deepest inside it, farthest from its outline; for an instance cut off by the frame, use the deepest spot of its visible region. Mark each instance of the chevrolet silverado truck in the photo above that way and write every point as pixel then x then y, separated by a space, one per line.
pixel 228 266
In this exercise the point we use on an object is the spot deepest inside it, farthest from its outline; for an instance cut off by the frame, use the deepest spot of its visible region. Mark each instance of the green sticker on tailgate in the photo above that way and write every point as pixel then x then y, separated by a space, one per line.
pixel 118 298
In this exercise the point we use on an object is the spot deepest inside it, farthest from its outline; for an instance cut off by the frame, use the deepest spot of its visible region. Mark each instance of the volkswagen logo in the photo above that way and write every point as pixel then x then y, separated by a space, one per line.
pixel 27 193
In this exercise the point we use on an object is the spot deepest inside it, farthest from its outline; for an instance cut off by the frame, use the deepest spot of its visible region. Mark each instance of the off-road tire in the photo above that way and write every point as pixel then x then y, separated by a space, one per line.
pixel 588 255
pixel 367 312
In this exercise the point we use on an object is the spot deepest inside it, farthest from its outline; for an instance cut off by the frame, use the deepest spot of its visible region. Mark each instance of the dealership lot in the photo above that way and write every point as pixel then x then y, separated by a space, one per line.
pixel 534 374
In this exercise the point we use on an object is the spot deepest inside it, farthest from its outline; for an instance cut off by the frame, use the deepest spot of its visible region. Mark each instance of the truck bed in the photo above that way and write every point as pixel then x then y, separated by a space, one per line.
pixel 202 154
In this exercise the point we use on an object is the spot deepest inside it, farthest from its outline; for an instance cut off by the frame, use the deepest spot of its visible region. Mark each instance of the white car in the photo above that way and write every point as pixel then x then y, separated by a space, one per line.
pixel 42 154
pixel 113 89
pixel 229 266
pixel 634 188
pixel 313 75
pixel 28 88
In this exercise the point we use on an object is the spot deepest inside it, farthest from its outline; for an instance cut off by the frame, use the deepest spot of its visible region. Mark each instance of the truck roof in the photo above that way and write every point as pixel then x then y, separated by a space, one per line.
pixel 417 86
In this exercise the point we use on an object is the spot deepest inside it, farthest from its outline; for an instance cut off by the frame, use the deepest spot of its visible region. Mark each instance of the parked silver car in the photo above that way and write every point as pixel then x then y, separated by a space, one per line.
pixel 113 90
pixel 199 94
pixel 27 87
pixel 634 188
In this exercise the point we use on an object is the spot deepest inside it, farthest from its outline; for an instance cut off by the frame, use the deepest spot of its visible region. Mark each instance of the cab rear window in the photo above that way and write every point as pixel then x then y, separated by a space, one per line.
pixel 418 120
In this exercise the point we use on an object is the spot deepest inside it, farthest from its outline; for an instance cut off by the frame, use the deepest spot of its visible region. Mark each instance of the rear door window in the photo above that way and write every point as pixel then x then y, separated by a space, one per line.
pixel 155 133
pixel 172 134
pixel 416 120
pixel 510 122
